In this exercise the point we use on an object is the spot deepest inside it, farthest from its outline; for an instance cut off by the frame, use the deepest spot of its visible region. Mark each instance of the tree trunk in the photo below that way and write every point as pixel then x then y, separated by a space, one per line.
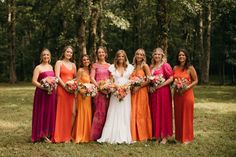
pixel 100 26
pixel 201 46
pixel 233 77
pixel 163 24
pixel 93 33
pixel 82 35
pixel 81 25
pixel 12 41
pixel 206 57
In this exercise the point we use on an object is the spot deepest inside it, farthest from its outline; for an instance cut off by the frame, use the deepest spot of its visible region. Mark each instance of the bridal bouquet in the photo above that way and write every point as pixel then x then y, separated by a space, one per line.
pixel 156 80
pixel 71 85
pixel 180 85
pixel 121 91
pixel 87 89
pixel 49 83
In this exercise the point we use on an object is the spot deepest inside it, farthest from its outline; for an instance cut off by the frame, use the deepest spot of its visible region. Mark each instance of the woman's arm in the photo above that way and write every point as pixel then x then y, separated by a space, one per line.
pixel 35 77
pixel 194 77
pixel 92 75
pixel 168 72
pixel 57 73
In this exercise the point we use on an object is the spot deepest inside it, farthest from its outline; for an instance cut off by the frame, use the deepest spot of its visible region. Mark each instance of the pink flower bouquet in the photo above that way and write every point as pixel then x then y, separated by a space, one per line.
pixel 71 85
pixel 180 85
pixel 49 83
pixel 136 81
pixel 156 80
pixel 88 89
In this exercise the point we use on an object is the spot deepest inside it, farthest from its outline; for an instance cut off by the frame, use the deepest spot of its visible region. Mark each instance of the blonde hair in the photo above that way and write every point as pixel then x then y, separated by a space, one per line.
pixel 162 53
pixel 144 57
pixel 41 55
pixel 125 64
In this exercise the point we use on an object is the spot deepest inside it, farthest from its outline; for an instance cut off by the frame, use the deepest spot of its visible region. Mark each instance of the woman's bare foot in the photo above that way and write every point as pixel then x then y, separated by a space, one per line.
pixel 46 139
pixel 187 142
pixel 164 141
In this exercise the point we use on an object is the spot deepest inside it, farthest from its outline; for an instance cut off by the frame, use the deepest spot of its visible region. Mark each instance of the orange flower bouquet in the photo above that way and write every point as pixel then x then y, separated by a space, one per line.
pixel 121 91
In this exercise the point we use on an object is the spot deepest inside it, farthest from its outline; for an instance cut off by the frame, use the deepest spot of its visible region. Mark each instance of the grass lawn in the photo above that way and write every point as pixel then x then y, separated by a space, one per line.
pixel 214 126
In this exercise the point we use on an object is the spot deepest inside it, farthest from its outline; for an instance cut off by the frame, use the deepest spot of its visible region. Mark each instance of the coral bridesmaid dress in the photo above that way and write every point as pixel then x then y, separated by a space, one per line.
pixel 65 102
pixel 183 109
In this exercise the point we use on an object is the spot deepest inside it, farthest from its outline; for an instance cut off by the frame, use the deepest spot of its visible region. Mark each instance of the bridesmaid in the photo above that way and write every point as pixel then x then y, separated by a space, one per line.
pixel 160 97
pixel 82 128
pixel 65 70
pixel 141 123
pixel 184 101
pixel 44 109
pixel 99 72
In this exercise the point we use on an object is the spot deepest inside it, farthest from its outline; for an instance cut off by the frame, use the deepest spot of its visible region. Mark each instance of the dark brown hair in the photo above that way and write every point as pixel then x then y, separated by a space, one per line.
pixel 187 62
pixel 81 65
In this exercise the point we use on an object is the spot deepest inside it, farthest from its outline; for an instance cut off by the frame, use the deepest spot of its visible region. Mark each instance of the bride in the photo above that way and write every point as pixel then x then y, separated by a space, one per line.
pixel 117 125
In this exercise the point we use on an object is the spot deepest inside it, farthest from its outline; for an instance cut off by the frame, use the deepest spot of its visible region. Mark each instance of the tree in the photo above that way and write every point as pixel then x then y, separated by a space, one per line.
pixel 12 39
pixel 163 24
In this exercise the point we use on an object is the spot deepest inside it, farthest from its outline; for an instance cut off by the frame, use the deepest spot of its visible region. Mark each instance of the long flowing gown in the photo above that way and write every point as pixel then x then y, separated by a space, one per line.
pixel 65 102
pixel 161 105
pixel 141 122
pixel 83 122
pixel 44 111
pixel 183 109
pixel 117 125
pixel 100 102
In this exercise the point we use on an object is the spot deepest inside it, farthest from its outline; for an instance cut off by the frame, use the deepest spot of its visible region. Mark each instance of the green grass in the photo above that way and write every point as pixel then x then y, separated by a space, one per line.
pixel 214 125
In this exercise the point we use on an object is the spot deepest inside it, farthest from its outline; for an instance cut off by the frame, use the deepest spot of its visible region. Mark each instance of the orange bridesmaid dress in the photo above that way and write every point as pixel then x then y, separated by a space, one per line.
pixel 141 123
pixel 65 102
pixel 83 122
pixel 183 109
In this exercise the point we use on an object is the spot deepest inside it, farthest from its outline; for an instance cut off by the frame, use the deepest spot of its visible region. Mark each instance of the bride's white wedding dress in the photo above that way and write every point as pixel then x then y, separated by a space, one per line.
pixel 117 125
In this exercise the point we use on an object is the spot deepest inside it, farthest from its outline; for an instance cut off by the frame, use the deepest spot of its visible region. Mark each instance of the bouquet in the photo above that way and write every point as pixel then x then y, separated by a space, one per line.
pixel 71 85
pixel 136 81
pixel 88 88
pixel 180 85
pixel 49 83
pixel 106 85
pixel 121 91
pixel 156 80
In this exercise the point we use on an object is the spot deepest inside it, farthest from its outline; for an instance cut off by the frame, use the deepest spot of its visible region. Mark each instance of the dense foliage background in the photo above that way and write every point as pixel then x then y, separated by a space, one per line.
pixel 206 28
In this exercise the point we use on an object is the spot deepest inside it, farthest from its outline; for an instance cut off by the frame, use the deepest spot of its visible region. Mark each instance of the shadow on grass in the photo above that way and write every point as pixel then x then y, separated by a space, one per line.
pixel 215 94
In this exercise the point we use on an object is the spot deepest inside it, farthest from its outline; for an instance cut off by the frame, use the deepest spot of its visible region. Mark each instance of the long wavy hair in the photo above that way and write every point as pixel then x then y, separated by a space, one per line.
pixel 41 55
pixel 72 59
pixel 125 64
pixel 187 61
pixel 144 57
pixel 81 65
pixel 153 62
